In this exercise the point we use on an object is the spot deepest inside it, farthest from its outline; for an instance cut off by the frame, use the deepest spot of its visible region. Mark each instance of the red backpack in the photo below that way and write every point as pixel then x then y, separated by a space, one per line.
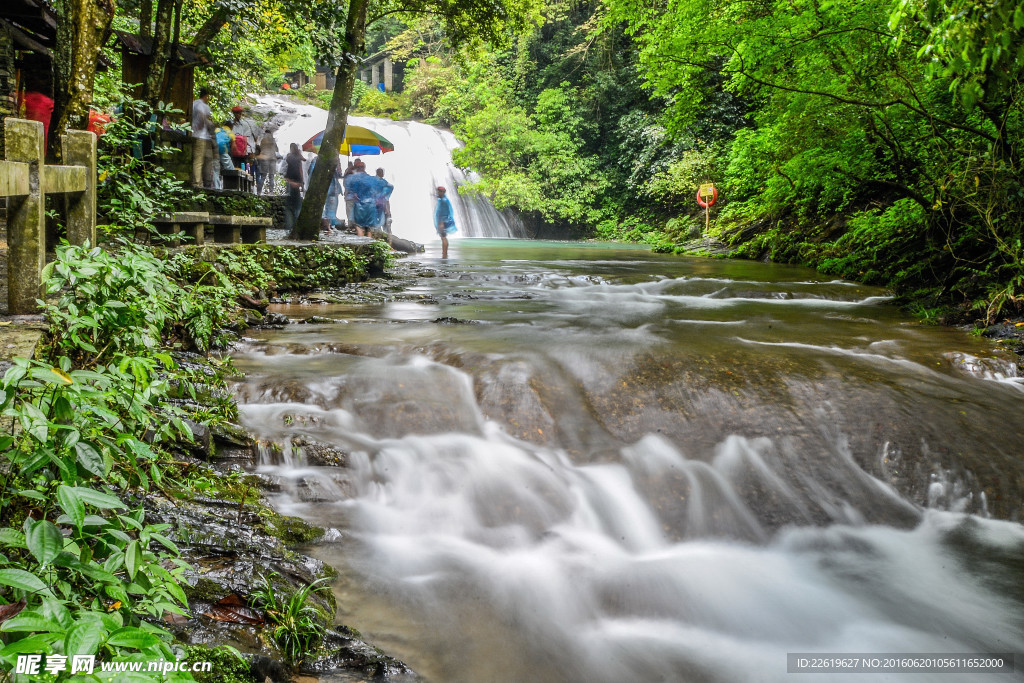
pixel 239 146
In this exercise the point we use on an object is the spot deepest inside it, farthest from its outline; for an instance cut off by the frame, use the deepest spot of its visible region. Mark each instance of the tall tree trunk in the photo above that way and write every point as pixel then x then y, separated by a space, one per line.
pixel 160 55
pixel 308 225
pixel 81 27
pixel 146 19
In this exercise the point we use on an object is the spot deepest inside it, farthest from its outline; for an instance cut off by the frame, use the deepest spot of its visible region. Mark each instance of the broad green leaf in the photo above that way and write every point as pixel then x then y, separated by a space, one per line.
pixel 71 503
pixel 56 611
pixel 103 501
pixel 132 637
pixel 19 578
pixel 39 644
pixel 34 495
pixel 84 638
pixel 119 535
pixel 90 569
pixel 132 559
pixel 30 622
pixel 90 459
pixel 12 538
pixel 45 541
pixel 165 542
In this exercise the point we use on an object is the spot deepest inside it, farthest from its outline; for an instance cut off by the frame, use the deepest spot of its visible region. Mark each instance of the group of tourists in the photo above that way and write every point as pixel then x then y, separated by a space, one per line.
pixel 237 144
pixel 366 198
pixel 241 145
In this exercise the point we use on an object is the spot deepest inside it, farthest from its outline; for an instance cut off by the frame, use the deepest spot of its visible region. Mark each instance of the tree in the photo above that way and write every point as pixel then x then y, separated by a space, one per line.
pixel 464 21
pixel 82 27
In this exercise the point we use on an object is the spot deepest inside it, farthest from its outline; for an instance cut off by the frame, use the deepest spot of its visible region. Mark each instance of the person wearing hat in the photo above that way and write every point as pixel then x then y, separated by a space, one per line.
pixel 243 151
pixel 444 219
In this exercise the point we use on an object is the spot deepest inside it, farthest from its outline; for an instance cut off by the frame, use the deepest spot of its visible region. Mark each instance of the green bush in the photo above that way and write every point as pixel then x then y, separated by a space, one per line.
pixel 388 105
pixel 298 625
pixel 134 187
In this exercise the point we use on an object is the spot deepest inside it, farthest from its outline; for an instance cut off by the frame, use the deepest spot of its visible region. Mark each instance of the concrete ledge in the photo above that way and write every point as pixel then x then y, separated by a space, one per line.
pixel 192 223
pixel 184 217
pixel 20 338
pixel 13 179
pixel 257 221
pixel 59 179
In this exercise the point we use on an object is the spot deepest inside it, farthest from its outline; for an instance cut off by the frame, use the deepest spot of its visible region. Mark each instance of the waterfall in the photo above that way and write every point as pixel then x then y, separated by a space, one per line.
pixel 421 162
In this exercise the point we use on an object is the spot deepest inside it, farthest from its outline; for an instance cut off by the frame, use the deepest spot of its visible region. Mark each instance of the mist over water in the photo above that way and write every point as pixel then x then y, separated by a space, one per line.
pixel 592 463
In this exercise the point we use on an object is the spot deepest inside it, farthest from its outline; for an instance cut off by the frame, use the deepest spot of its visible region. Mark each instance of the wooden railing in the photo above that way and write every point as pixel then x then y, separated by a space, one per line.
pixel 25 180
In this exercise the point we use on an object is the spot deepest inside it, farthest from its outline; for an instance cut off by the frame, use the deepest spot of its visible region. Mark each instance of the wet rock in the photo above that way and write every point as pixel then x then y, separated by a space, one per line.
pixel 342 650
pixel 275 319
pixel 320 453
pixel 264 668
pixel 202 440
pixel 448 320
pixel 1010 333
pixel 231 434
pixel 982 368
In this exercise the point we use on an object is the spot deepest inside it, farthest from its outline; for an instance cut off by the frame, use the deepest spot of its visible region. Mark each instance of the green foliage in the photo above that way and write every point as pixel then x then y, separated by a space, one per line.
pixel 534 162
pixel 111 305
pixel 879 247
pixel 298 624
pixel 133 185
pixel 871 104
pixel 387 105
pixel 94 577
pixel 227 665
pixel 261 267
pixel 976 46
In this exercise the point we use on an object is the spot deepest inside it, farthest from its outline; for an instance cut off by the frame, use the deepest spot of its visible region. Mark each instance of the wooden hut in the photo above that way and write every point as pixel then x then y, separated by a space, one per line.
pixel 179 87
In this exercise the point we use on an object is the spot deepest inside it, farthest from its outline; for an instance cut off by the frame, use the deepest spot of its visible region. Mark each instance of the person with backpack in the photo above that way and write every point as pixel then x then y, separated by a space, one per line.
pixel 243 150
pixel 225 139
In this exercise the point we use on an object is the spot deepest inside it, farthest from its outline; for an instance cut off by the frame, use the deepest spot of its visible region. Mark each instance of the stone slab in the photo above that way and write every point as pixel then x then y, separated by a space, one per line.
pixel 13 179
pixel 60 179
pixel 184 217
pixel 260 221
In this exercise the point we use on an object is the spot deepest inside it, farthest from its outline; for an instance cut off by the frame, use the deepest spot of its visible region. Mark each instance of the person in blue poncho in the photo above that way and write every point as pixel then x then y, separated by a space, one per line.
pixel 384 204
pixel 364 189
pixel 444 219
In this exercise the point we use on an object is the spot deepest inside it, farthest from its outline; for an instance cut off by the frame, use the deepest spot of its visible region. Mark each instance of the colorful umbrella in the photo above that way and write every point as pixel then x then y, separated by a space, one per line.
pixel 358 141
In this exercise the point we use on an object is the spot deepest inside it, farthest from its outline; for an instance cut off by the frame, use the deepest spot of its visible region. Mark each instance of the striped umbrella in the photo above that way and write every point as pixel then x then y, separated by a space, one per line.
pixel 358 141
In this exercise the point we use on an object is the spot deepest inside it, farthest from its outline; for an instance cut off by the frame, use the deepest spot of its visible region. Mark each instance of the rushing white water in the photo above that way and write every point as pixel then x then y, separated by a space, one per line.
pixel 552 495
pixel 421 162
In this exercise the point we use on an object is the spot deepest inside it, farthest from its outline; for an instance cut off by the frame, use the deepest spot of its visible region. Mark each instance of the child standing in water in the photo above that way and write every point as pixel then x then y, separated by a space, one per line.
pixel 444 220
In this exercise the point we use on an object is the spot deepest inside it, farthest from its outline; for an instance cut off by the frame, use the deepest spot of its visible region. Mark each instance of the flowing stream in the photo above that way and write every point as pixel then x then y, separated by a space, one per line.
pixel 577 462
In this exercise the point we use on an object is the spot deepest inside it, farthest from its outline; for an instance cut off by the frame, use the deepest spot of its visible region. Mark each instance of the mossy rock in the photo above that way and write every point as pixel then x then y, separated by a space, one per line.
pixel 291 530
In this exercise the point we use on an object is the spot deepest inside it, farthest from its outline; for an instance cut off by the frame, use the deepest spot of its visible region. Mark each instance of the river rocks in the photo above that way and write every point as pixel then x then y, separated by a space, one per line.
pixel 234 546
pixel 997 369
pixel 1010 334
pixel 448 320
pixel 319 453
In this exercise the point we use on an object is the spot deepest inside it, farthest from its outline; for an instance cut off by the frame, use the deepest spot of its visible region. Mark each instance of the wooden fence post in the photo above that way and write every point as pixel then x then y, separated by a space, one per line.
pixel 26 234
pixel 79 149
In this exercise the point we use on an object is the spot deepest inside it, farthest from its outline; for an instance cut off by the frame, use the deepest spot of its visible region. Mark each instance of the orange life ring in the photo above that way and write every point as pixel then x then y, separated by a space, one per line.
pixel 714 196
